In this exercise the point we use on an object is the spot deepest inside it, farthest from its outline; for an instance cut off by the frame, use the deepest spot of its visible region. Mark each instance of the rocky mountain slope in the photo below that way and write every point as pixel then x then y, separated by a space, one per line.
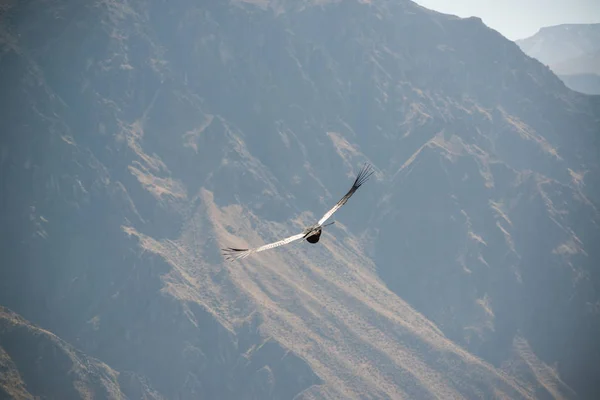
pixel 556 44
pixel 140 138
pixel 583 83
pixel 36 364
pixel 572 51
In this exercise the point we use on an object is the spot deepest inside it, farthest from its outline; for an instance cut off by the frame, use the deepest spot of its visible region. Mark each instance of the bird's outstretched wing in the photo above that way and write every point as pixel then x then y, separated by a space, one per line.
pixel 235 254
pixel 361 178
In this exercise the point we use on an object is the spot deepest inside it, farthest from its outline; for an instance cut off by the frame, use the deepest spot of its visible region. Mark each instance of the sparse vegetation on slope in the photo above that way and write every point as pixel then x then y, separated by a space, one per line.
pixel 142 137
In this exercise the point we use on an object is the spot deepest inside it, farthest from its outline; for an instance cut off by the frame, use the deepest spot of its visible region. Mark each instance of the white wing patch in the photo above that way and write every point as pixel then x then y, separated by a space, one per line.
pixel 330 212
pixel 361 178
pixel 236 254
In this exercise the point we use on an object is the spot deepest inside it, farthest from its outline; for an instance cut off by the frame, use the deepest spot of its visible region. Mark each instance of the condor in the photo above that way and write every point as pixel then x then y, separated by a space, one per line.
pixel 311 233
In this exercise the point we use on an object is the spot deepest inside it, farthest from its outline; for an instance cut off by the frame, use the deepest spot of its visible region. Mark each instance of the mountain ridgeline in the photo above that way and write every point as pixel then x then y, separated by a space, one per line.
pixel 140 138
pixel 572 51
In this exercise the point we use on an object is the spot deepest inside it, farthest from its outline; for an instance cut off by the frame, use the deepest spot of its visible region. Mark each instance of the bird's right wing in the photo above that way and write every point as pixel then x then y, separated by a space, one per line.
pixel 361 178
pixel 235 254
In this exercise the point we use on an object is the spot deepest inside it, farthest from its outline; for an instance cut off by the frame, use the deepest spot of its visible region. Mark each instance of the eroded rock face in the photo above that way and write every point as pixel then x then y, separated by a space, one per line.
pixel 142 138
pixel 36 363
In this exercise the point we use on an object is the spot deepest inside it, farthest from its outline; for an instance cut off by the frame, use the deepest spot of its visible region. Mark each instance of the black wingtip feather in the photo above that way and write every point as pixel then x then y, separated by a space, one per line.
pixel 229 253
pixel 364 174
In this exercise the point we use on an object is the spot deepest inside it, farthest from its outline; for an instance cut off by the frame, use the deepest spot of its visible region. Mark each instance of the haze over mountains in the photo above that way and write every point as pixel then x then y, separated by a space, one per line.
pixel 572 51
pixel 139 138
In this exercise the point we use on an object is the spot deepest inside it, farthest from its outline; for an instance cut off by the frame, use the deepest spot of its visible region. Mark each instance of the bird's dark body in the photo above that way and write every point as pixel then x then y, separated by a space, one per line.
pixel 314 236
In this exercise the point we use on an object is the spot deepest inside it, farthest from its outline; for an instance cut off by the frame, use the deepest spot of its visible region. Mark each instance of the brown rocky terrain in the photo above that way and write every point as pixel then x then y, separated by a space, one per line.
pixel 140 138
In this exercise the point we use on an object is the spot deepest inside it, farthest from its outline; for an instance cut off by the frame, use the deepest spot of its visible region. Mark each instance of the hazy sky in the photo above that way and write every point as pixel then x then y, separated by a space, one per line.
pixel 517 19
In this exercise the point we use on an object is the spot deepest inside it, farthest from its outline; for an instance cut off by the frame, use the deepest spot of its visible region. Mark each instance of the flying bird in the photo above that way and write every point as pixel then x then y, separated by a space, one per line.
pixel 311 233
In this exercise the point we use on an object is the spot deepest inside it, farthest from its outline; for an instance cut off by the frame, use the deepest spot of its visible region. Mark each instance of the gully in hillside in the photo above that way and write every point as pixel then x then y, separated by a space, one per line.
pixel 313 232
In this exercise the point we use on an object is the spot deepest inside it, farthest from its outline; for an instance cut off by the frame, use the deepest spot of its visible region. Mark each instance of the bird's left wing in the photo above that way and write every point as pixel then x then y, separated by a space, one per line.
pixel 235 254
pixel 361 178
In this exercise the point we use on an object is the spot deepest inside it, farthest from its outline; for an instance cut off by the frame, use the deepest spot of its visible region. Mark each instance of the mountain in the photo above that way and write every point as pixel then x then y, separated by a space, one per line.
pixel 586 63
pixel 37 364
pixel 584 83
pixel 141 138
pixel 581 73
pixel 556 44
pixel 571 51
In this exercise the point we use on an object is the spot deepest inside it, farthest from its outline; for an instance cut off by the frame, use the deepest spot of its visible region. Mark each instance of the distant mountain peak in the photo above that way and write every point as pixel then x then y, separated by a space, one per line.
pixel 572 51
